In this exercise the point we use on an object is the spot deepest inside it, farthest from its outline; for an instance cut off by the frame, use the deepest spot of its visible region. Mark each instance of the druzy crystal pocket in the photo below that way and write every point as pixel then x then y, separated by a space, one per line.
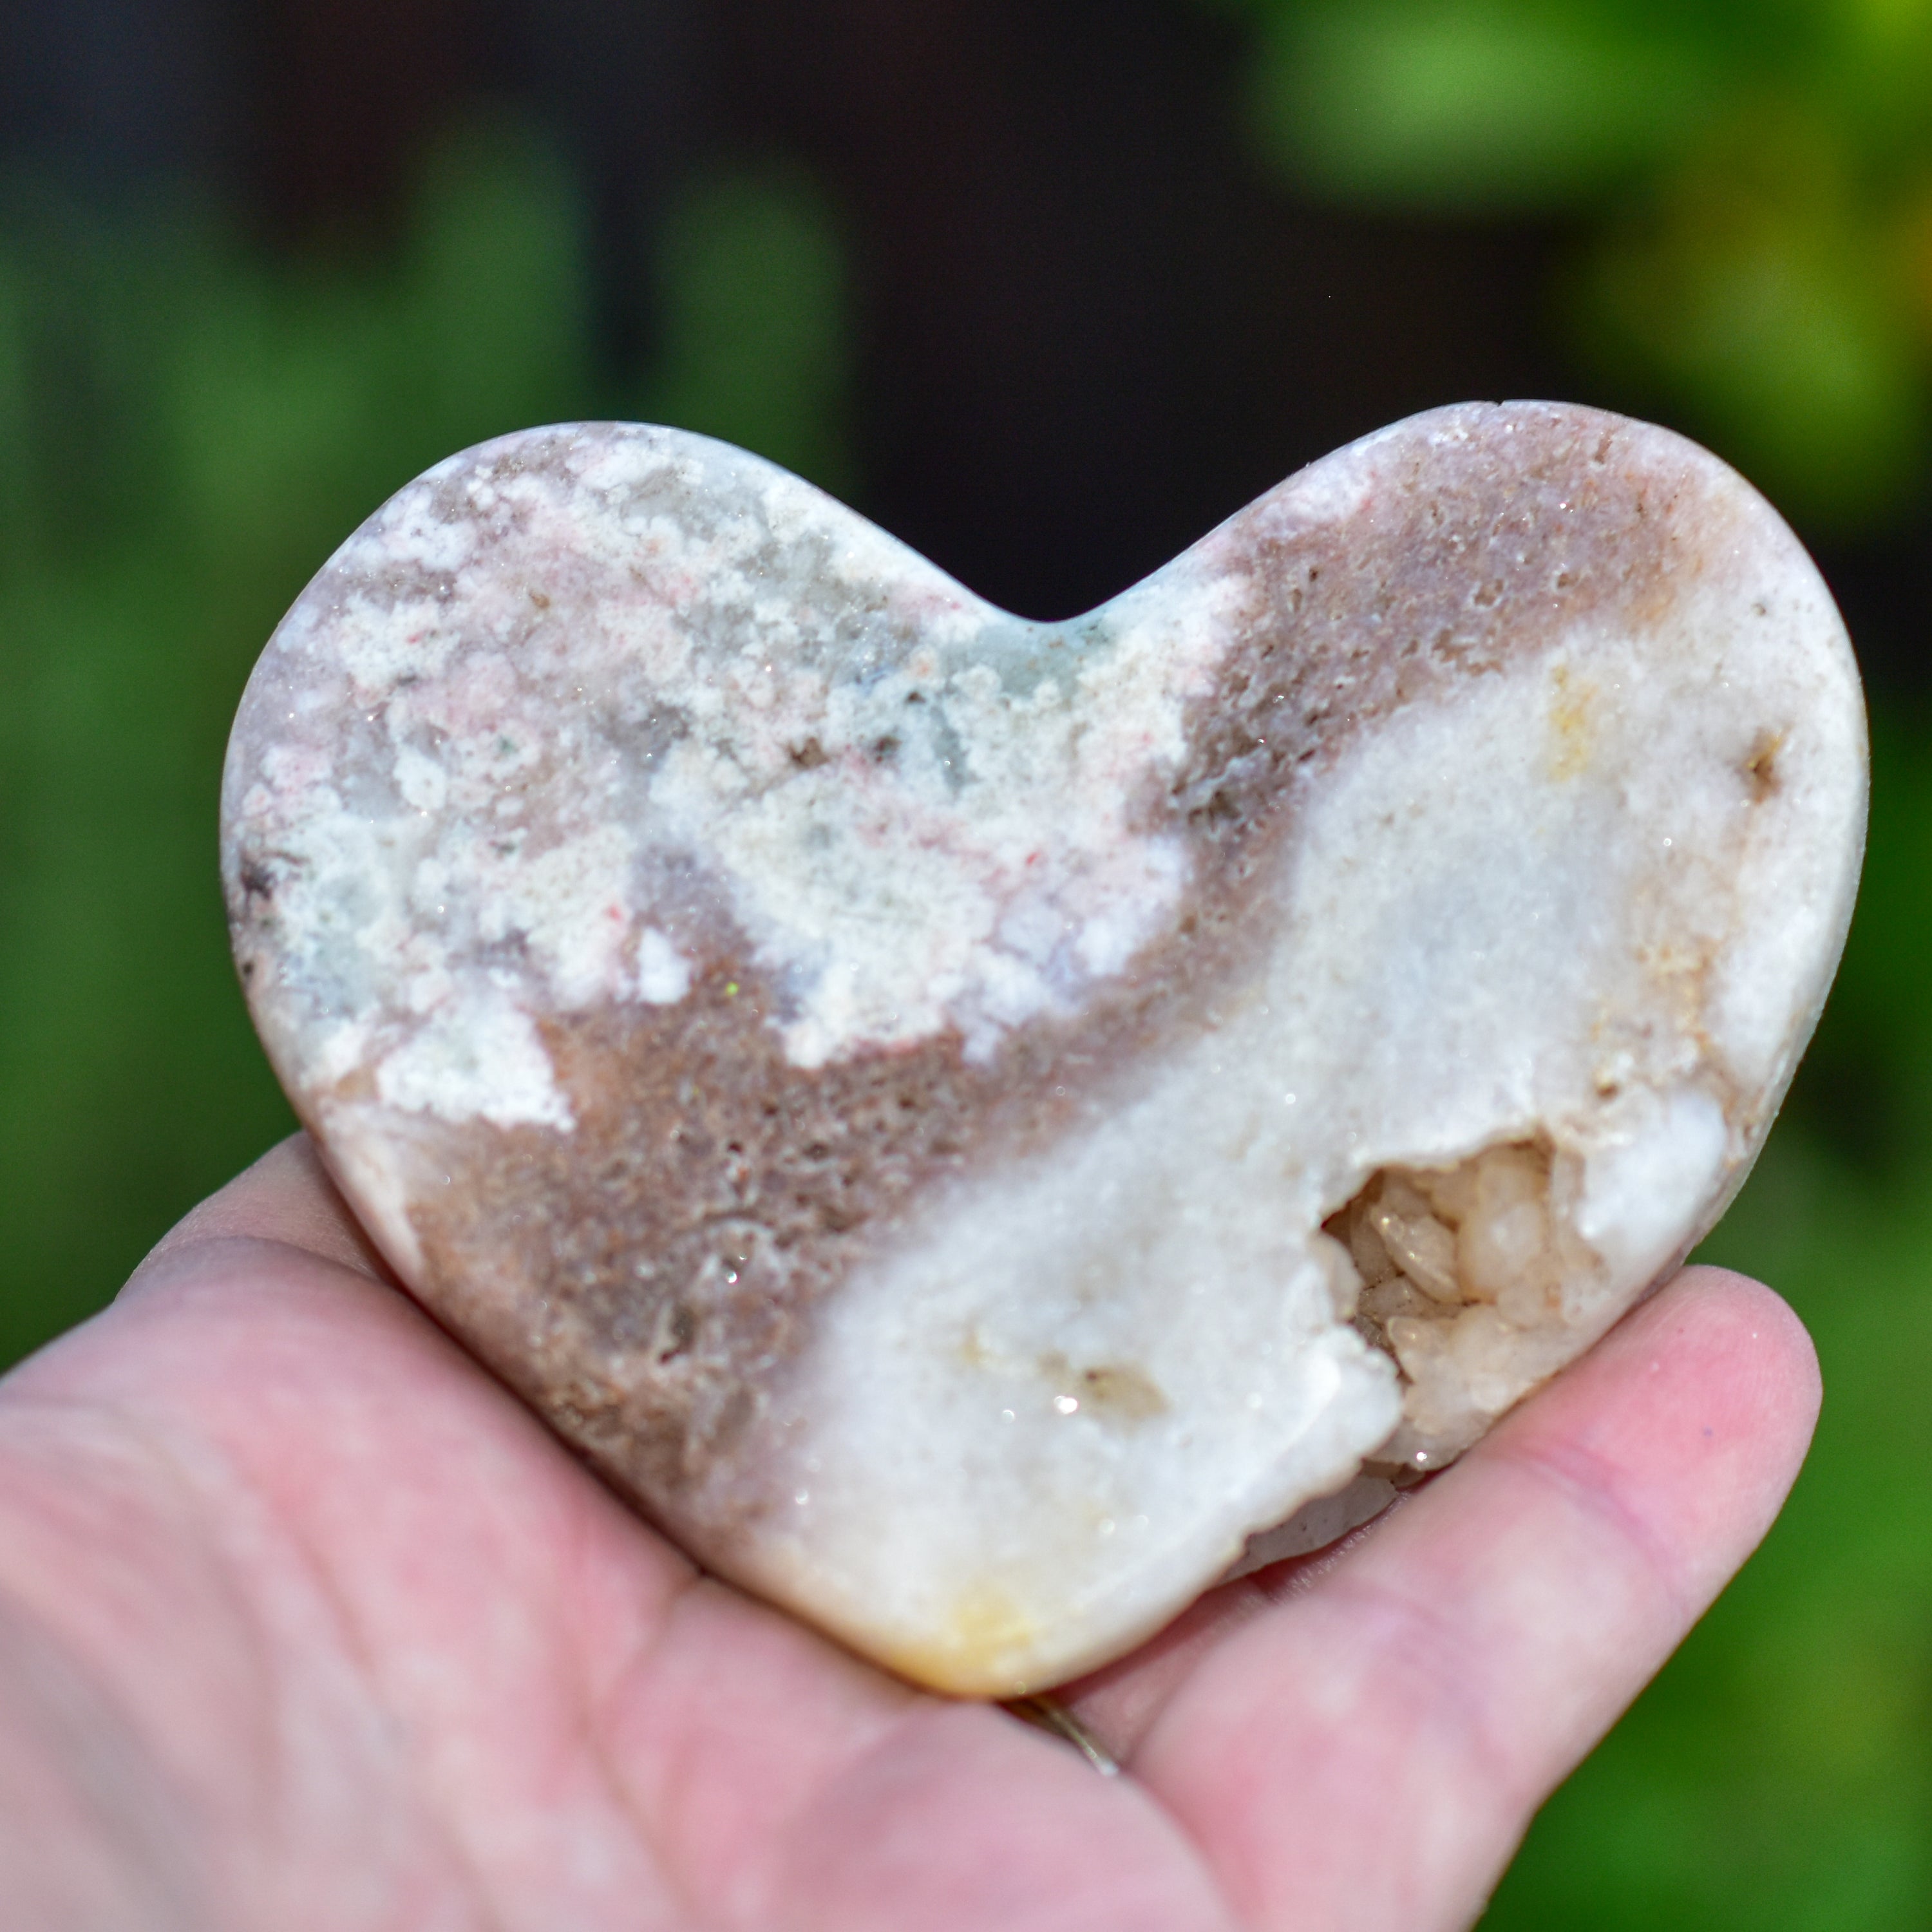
pixel 967 1121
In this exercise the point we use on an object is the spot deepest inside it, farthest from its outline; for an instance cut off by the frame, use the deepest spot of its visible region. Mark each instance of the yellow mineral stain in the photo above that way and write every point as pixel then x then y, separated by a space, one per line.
pixel 1571 702
pixel 1760 766
pixel 1120 1390
pixel 976 1653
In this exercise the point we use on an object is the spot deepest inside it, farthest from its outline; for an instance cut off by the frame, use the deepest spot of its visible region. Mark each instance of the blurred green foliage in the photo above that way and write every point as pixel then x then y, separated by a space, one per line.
pixel 190 428
pixel 1754 177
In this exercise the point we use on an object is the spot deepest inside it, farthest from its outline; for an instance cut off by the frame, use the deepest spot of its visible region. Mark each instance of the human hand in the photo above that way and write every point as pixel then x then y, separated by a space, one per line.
pixel 307 1625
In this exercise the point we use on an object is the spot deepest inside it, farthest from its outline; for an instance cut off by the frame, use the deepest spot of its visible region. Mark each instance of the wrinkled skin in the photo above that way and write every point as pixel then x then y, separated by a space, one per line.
pixel 304 1623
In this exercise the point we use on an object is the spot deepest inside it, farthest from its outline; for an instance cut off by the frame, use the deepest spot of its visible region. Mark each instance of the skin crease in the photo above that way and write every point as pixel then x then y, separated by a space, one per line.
pixel 305 1623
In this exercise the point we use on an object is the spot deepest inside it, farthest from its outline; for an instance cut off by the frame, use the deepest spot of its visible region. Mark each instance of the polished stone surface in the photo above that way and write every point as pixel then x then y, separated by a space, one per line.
pixel 968 1120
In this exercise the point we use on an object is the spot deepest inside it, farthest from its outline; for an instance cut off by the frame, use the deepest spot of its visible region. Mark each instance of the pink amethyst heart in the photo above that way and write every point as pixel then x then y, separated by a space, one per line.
pixel 967 1121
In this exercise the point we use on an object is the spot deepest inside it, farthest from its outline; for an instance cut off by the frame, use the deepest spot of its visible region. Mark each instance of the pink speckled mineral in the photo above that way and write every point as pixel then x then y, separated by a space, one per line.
pixel 969 1121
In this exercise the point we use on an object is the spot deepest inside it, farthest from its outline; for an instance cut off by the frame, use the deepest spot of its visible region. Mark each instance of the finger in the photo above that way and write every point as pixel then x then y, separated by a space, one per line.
pixel 1117 1704
pixel 287 1196
pixel 1367 1753
pixel 796 1787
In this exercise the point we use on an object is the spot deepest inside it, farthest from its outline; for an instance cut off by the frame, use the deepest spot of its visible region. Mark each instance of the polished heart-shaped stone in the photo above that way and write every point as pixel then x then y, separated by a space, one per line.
pixel 969 1121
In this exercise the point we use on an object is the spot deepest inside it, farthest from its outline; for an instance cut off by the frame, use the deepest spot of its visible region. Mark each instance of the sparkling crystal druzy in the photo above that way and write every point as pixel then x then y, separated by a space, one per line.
pixel 966 1120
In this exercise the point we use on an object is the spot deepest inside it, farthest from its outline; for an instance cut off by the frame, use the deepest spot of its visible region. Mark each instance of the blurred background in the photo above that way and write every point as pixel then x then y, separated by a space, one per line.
pixel 1047 287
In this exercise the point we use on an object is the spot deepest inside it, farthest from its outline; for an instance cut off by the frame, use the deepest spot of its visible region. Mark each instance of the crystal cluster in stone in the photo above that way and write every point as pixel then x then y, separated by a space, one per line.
pixel 966 1120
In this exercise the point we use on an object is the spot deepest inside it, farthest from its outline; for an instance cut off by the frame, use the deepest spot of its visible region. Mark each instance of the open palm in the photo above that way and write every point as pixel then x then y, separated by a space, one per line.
pixel 305 1623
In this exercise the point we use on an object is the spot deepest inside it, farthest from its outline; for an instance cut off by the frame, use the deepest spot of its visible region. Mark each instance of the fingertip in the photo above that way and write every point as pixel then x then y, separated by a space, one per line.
pixel 1693 1415
pixel 1760 1335
pixel 286 1196
pixel 1697 1408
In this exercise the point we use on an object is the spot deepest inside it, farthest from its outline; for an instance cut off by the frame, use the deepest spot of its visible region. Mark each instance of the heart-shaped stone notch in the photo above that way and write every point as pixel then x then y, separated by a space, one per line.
pixel 968 1120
